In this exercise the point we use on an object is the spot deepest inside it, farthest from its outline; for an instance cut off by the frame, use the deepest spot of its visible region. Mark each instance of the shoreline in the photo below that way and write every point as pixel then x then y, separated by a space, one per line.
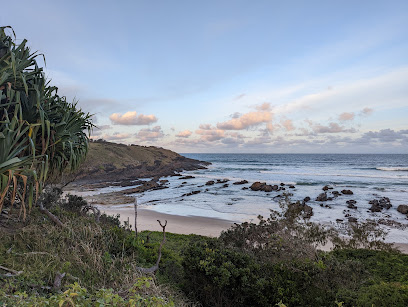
pixel 199 225
pixel 147 220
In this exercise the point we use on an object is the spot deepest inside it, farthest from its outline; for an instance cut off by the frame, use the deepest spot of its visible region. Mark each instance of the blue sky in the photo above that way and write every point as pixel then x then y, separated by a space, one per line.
pixel 230 76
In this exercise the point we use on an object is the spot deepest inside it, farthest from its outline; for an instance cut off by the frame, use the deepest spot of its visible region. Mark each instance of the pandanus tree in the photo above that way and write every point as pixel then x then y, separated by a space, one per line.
pixel 41 134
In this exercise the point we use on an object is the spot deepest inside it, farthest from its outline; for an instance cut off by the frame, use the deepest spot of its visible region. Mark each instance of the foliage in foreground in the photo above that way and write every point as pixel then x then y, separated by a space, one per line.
pixel 41 134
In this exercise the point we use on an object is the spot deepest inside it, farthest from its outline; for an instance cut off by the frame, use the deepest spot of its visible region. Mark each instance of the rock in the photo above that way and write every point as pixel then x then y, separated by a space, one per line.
pixel 351 204
pixel 403 209
pixel 191 193
pixel 275 187
pixel 282 184
pixel 184 182
pixel 306 199
pixel 187 177
pixel 211 182
pixel 339 220
pixel 378 205
pixel 222 180
pixel 291 187
pixel 326 188
pixel 336 193
pixel 163 181
pixel 245 188
pixel 241 182
pixel 225 185
pixel 283 189
pixel 322 197
pixel 347 192
pixel 261 186
pixel 352 219
pixel 298 207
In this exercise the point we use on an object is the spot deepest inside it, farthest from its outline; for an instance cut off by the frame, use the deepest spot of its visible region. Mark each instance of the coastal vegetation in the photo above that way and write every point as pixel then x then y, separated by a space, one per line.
pixel 74 256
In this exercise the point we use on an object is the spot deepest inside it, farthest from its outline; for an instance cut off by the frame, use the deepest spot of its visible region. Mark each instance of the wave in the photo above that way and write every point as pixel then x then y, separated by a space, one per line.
pixel 393 169
pixel 335 175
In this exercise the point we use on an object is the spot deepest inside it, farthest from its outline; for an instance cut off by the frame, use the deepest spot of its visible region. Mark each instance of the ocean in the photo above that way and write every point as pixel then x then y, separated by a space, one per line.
pixel 369 176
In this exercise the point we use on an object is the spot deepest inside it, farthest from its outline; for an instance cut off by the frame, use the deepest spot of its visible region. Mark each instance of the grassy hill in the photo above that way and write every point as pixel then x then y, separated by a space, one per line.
pixel 110 161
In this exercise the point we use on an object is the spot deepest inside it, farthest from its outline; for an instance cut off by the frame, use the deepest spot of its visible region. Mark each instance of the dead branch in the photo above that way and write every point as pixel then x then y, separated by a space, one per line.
pixel 135 206
pixel 58 280
pixel 95 211
pixel 11 272
pixel 154 268
pixel 51 216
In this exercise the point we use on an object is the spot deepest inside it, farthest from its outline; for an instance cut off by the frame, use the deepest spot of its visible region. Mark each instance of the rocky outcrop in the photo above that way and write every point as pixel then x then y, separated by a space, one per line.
pixel 187 177
pixel 295 208
pixel 347 192
pixel 326 188
pixel 191 193
pixel 211 182
pixel 377 205
pixel 261 186
pixel 403 209
pixel 222 180
pixel 241 182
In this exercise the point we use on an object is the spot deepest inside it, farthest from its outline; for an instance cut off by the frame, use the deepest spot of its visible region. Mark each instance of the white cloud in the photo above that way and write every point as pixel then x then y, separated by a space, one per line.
pixel 131 118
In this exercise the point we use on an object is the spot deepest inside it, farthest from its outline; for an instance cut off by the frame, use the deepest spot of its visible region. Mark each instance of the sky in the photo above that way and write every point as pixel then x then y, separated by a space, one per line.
pixel 229 76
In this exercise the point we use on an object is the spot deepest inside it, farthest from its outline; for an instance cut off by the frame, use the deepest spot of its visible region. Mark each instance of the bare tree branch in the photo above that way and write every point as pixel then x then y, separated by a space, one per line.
pixel 154 268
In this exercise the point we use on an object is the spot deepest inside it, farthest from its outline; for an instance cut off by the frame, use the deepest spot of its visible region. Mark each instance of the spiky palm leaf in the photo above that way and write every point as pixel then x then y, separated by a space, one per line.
pixel 41 134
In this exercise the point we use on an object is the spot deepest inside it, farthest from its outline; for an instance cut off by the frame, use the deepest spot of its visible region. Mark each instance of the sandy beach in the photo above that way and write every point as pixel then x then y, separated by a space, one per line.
pixel 205 226
pixel 147 220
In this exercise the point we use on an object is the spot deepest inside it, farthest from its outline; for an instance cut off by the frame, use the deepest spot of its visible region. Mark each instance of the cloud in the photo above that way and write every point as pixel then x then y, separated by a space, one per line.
pixel 150 134
pixel 288 124
pixel 116 136
pixel 331 128
pixel 346 116
pixel 367 111
pixel 184 134
pixel 247 120
pixel 98 130
pixel 131 118
pixel 386 135
pixel 210 134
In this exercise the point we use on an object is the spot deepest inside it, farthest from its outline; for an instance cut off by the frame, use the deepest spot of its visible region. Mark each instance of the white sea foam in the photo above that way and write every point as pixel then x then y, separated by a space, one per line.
pixel 393 169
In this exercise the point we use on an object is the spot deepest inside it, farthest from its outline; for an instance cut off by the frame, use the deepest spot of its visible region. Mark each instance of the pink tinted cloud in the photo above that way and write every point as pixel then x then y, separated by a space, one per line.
pixel 288 124
pixel 131 118
pixel 150 134
pixel 367 111
pixel 346 116
pixel 184 134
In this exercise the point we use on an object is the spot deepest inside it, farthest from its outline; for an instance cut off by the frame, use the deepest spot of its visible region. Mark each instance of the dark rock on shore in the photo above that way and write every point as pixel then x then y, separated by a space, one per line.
pixel 336 193
pixel 379 205
pixel 211 182
pixel 306 199
pixel 403 209
pixel 187 177
pixel 297 207
pixel 322 197
pixel 241 182
pixel 261 186
pixel 191 193
pixel 222 180
pixel 351 204
pixel 326 188
pixel 347 192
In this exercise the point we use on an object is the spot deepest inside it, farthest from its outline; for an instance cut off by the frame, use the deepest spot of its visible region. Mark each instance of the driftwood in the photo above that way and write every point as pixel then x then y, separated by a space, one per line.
pixel 11 272
pixel 51 216
pixel 154 268
pixel 135 206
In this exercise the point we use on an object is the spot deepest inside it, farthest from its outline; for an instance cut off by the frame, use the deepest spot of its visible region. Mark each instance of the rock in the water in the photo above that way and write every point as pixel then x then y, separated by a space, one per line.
pixel 378 205
pixel 322 197
pixel 211 182
pixel 352 219
pixel 261 186
pixel 351 204
pixel 187 177
pixel 326 188
pixel 347 192
pixel 403 209
pixel 306 199
pixel 241 182
pixel 225 185
pixel 222 180
pixel 191 193
pixel 291 187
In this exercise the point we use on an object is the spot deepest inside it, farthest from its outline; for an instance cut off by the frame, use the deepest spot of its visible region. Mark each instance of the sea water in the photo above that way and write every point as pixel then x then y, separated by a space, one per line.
pixel 369 176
